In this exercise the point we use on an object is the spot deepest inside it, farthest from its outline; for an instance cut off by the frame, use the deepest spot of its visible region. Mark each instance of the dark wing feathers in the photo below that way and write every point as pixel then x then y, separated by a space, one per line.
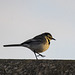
pixel 37 39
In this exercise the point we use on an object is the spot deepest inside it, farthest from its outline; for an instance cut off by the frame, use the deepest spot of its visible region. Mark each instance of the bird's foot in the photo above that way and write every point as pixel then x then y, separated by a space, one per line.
pixel 40 55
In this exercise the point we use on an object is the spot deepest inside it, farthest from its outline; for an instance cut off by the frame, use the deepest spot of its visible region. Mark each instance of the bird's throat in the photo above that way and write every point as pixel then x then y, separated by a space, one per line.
pixel 48 41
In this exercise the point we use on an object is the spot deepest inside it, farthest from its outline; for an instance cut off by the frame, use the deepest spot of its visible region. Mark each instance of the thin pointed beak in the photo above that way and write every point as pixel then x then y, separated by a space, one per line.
pixel 53 39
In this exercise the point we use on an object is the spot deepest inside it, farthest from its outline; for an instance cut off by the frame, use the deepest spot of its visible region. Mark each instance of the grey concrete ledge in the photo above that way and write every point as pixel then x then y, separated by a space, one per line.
pixel 37 67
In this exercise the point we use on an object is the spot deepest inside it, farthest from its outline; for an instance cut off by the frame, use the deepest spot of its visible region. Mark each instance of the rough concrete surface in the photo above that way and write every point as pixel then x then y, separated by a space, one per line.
pixel 36 67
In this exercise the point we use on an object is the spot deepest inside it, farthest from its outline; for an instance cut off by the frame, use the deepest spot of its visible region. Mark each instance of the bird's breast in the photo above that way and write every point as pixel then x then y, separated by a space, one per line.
pixel 45 47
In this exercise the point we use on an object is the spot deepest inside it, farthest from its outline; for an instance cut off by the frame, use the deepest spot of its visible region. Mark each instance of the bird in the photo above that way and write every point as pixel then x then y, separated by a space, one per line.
pixel 37 44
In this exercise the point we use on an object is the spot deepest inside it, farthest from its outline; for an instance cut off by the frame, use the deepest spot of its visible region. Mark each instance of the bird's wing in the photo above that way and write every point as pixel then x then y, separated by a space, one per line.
pixel 30 41
pixel 38 39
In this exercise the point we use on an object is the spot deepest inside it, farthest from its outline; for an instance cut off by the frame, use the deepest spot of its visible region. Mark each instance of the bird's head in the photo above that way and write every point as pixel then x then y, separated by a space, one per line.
pixel 49 36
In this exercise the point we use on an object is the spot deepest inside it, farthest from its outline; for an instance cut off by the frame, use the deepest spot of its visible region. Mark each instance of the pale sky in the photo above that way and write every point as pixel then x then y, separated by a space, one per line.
pixel 21 20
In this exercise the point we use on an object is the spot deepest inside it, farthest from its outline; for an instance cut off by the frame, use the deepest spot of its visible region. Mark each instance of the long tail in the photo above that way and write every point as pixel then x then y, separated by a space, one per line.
pixel 12 45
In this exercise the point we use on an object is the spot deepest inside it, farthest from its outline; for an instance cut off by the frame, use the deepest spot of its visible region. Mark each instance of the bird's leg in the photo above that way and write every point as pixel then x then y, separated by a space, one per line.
pixel 35 55
pixel 41 55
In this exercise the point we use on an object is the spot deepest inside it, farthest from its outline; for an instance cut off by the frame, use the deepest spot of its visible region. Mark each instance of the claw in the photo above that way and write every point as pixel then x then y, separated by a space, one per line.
pixel 40 55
